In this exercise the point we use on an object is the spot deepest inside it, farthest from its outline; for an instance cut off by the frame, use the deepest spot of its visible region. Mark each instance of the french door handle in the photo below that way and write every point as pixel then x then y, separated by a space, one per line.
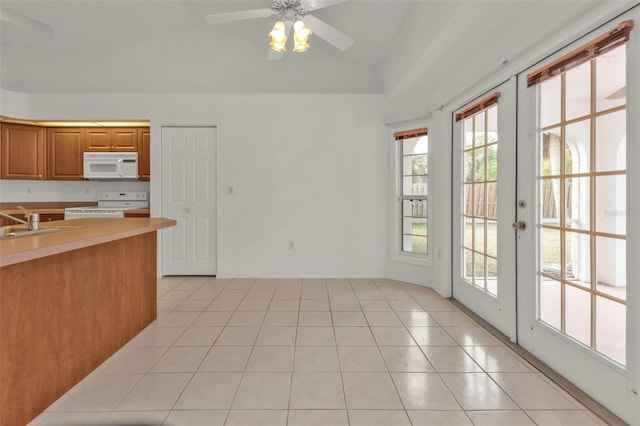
pixel 519 225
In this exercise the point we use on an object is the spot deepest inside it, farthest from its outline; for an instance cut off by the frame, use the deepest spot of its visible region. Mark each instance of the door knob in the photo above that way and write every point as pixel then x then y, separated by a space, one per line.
pixel 186 210
pixel 519 225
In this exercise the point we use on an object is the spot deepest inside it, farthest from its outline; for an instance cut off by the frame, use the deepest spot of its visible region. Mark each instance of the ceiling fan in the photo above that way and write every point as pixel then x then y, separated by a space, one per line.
pixel 291 11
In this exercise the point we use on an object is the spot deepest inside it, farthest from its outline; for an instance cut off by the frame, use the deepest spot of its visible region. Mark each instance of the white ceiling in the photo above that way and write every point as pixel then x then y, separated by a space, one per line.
pixel 165 46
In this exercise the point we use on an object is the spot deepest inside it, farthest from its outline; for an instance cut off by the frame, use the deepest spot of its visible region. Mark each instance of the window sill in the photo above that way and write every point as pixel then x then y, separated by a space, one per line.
pixel 412 258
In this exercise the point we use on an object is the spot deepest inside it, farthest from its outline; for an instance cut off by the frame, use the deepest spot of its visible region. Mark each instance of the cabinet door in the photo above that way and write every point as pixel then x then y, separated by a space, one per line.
pixel 50 217
pixel 144 154
pixel 128 213
pixel 124 139
pixel 22 152
pixel 65 148
pixel 97 139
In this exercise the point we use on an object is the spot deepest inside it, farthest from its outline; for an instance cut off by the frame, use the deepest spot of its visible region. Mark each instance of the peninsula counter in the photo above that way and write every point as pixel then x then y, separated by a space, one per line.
pixel 68 301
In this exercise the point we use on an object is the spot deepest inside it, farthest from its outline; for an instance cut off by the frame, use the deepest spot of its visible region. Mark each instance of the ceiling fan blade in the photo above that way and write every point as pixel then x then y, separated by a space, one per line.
pixel 274 56
pixel 319 4
pixel 327 32
pixel 25 23
pixel 222 18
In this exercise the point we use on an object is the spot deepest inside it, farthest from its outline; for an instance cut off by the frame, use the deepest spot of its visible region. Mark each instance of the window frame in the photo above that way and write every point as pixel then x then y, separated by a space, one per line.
pixel 396 240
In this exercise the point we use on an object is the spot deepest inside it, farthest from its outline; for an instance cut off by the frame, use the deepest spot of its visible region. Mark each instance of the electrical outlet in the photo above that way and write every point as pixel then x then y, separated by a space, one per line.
pixel 28 190
pixel 292 245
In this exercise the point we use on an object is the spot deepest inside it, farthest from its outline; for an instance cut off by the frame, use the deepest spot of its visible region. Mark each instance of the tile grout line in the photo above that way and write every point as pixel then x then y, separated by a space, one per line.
pixel 390 294
pixel 205 356
pixel 592 405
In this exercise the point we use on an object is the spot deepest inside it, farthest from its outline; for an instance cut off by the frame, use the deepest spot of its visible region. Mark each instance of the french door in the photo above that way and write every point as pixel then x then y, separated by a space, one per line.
pixel 484 153
pixel 579 177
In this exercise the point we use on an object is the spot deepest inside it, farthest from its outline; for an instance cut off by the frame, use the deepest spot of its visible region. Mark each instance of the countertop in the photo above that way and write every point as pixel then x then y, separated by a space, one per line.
pixel 90 231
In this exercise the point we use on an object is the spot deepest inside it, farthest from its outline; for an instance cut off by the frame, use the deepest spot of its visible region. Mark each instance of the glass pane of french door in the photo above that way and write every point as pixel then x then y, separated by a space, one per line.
pixel 484 186
pixel 582 191
pixel 480 170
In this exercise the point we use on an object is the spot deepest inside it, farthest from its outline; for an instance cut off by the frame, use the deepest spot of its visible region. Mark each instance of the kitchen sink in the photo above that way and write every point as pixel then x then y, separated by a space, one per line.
pixel 9 232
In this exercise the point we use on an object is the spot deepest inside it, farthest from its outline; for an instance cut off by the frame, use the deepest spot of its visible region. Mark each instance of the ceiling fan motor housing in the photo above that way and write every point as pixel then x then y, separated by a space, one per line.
pixel 288 9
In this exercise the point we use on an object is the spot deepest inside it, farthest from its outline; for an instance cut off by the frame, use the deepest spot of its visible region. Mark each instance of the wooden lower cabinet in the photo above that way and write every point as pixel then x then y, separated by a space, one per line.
pixel 128 213
pixel 50 217
pixel 61 316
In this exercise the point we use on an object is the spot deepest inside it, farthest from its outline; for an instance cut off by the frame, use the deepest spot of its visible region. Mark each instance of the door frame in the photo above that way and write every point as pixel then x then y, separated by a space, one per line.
pixel 163 235
pixel 554 349
pixel 499 311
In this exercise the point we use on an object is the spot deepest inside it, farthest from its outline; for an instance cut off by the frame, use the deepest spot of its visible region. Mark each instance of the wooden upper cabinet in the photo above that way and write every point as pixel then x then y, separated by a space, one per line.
pixel 22 152
pixel 111 139
pixel 65 148
pixel 144 153
pixel 56 153
pixel 125 139
pixel 98 139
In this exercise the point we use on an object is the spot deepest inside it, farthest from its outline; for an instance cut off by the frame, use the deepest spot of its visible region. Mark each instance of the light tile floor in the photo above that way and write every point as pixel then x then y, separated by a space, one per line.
pixel 313 352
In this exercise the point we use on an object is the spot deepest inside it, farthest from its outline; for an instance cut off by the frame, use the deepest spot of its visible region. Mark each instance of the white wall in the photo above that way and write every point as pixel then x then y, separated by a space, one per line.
pixel 33 190
pixel 305 168
pixel 13 104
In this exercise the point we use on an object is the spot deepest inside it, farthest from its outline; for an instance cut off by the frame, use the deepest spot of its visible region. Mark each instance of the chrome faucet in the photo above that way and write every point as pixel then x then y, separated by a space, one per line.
pixel 8 216
pixel 32 222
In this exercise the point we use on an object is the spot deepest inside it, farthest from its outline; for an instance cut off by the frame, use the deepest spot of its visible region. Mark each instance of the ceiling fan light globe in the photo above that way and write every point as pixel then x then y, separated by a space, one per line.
pixel 278 37
pixel 300 47
pixel 278 32
pixel 301 36
pixel 278 47
pixel 301 31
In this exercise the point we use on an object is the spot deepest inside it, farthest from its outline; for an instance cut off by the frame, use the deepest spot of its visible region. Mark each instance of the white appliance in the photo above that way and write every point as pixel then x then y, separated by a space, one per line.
pixel 111 165
pixel 110 204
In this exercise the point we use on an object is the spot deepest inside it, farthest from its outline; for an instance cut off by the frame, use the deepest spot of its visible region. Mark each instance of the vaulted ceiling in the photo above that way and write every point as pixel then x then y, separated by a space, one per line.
pixel 98 46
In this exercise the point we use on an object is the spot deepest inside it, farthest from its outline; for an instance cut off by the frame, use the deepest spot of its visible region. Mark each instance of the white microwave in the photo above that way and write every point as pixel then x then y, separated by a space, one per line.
pixel 111 165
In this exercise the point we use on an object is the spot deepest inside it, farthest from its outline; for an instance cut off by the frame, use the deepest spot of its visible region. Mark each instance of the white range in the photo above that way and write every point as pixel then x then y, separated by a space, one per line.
pixel 110 204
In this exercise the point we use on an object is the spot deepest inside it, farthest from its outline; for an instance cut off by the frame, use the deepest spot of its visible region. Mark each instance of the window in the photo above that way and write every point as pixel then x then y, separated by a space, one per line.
pixel 414 157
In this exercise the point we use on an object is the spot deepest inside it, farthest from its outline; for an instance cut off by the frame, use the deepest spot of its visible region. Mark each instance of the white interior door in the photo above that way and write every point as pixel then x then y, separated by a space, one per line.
pixel 189 197
pixel 484 207
pixel 577 293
